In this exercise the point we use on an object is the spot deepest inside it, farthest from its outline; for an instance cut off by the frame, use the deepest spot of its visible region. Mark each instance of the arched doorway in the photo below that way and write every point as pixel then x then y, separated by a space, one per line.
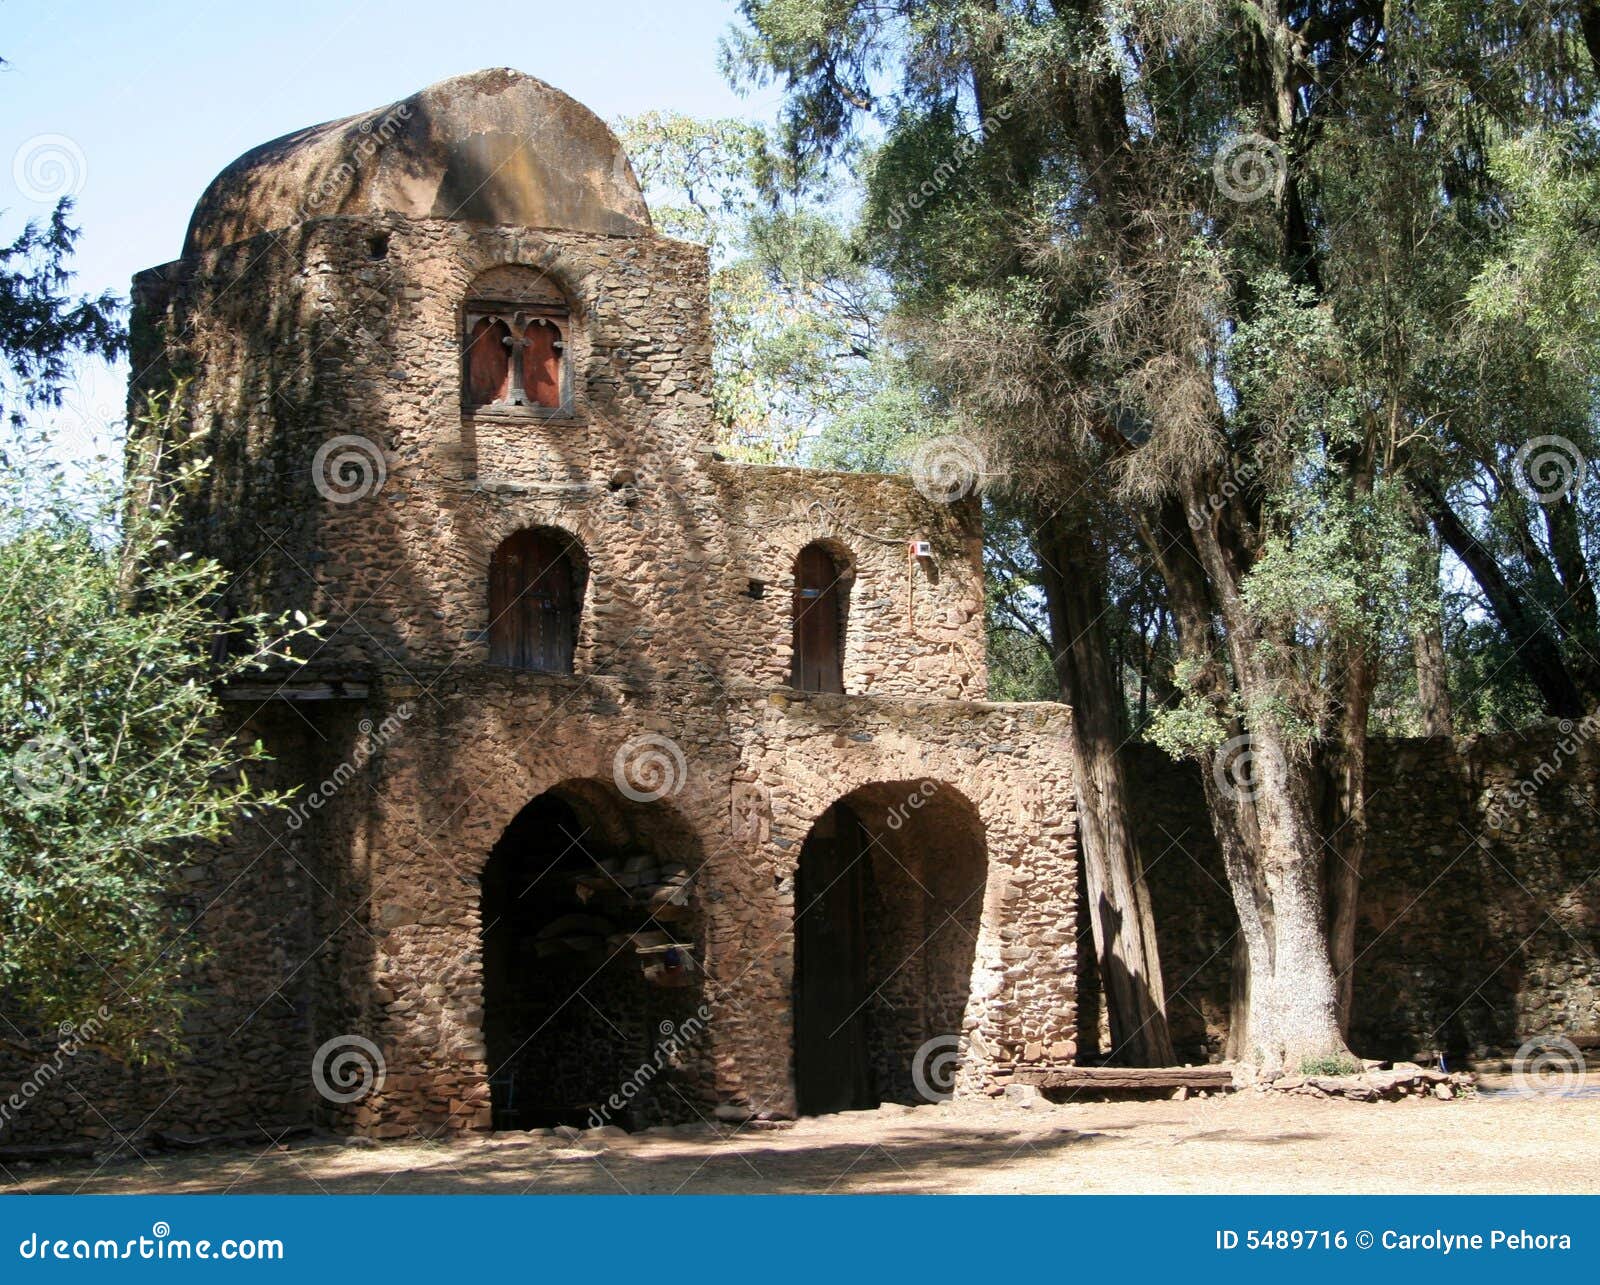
pixel 821 587
pixel 535 594
pixel 888 898
pixel 591 964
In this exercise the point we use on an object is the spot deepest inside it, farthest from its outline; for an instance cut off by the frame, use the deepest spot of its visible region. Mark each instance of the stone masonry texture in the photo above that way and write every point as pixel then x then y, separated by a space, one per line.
pixel 530 896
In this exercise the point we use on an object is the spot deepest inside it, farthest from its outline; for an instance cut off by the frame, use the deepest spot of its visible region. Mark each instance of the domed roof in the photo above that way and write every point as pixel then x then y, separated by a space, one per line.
pixel 490 147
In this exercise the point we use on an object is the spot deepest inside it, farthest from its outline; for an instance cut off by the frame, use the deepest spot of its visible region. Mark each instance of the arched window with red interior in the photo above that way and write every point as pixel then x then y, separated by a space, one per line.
pixel 515 356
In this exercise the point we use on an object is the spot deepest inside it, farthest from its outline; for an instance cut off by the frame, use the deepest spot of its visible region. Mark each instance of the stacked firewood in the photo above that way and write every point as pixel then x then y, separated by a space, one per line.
pixel 628 890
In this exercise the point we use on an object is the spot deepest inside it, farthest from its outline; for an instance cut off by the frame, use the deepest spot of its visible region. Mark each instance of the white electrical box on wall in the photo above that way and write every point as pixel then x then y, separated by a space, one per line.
pixel 921 549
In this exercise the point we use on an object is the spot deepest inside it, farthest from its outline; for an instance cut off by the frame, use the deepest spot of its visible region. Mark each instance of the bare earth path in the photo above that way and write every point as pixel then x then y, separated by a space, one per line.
pixel 1245 1143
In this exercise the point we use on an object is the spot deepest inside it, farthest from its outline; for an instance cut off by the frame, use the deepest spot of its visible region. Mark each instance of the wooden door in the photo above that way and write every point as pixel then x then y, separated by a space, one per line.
pixel 533 609
pixel 818 623
pixel 832 1072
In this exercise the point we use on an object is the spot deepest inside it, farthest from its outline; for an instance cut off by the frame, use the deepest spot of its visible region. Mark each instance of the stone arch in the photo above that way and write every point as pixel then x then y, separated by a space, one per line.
pixel 889 899
pixel 593 957
pixel 537 578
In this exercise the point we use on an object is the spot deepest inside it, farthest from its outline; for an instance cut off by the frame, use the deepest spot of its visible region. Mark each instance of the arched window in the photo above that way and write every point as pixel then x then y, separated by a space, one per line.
pixel 820 588
pixel 534 599
pixel 515 356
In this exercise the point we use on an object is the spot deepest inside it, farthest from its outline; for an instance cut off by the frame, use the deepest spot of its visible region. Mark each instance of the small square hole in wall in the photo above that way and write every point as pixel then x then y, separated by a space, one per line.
pixel 378 246
pixel 756 589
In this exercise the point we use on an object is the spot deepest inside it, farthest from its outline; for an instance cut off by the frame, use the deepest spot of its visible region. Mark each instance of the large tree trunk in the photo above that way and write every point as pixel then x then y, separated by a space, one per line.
pixel 1433 677
pixel 1343 819
pixel 1428 659
pixel 1579 614
pixel 1118 896
pixel 1589 19
pixel 1260 798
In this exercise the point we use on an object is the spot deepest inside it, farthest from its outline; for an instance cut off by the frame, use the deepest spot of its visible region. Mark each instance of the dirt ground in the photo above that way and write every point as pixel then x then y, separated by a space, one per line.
pixel 1498 1141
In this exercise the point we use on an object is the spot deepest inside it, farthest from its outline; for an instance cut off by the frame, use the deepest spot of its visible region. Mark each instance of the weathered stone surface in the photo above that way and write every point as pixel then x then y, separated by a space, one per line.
pixel 318 335
pixel 494 147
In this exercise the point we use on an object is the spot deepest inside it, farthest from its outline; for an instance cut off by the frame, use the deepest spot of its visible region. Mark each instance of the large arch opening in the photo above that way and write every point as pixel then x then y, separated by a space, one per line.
pixel 592 963
pixel 888 898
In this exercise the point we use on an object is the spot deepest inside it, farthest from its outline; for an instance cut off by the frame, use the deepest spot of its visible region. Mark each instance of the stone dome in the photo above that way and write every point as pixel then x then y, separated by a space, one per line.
pixel 492 147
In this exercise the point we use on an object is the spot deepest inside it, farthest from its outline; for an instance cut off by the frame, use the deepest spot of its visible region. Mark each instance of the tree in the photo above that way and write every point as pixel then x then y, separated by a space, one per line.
pixel 1202 265
pixel 117 757
pixel 798 350
pixel 43 328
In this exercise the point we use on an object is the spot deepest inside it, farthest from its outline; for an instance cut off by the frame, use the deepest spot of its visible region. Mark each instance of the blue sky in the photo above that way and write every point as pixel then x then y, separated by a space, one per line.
pixel 145 100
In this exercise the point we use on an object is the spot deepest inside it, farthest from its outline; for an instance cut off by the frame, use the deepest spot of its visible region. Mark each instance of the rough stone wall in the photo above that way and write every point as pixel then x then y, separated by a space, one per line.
pixel 358 916
pixel 913 627
pixel 299 339
pixel 1480 919
pixel 461 772
pixel 1001 766
pixel 324 376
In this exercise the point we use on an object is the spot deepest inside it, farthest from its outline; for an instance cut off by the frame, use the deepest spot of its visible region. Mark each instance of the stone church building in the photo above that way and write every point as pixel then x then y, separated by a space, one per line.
pixel 633 783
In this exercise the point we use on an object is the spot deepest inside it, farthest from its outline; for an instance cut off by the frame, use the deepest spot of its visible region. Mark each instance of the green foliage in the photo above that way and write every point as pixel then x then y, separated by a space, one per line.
pixel 1544 273
pixel 41 326
pixel 119 761
pixel 1191 725
pixel 1331 1065
pixel 797 351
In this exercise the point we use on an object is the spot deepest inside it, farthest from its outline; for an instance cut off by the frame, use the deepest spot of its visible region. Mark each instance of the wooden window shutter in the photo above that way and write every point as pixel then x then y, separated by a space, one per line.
pixel 541 364
pixel 818 664
pixel 488 362
pixel 533 604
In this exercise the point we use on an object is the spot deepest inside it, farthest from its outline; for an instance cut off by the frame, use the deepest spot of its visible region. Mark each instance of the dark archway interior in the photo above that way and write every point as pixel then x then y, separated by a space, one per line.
pixel 591 964
pixel 888 898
